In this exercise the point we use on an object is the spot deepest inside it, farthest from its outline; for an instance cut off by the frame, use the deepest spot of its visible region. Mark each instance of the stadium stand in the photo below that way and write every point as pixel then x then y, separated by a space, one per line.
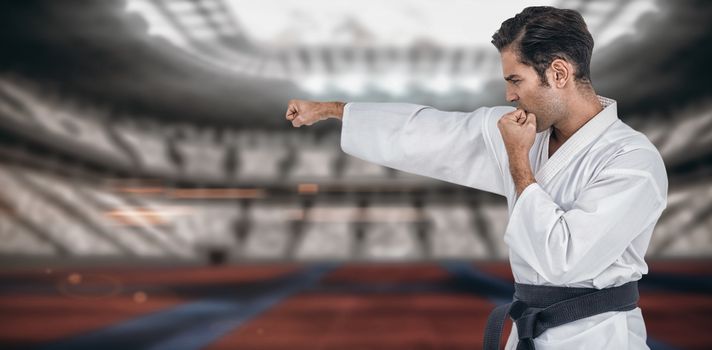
pixel 103 222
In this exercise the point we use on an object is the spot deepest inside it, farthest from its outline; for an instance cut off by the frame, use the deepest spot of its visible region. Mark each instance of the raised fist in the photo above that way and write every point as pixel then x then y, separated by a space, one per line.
pixel 303 112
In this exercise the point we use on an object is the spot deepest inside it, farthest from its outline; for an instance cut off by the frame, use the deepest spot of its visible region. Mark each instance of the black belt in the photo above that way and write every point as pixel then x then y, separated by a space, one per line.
pixel 538 308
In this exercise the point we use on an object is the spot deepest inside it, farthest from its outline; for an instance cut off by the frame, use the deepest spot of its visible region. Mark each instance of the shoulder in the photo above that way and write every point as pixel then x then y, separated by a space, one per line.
pixel 624 142
pixel 630 151
pixel 626 138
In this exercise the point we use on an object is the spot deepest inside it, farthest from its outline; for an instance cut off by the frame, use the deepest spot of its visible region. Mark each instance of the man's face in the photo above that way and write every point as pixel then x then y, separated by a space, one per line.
pixel 525 87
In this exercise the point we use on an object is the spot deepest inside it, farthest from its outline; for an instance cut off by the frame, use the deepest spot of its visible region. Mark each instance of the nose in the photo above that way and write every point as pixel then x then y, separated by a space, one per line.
pixel 511 96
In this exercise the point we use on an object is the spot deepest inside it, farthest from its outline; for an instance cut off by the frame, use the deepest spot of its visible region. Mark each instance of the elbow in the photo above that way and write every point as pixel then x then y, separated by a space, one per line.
pixel 561 261
pixel 569 265
pixel 571 273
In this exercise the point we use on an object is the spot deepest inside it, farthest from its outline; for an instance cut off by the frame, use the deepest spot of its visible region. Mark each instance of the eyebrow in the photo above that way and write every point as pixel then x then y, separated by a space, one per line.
pixel 512 77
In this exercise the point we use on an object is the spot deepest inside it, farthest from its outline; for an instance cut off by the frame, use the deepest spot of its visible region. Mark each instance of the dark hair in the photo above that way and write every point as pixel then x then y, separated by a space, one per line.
pixel 541 34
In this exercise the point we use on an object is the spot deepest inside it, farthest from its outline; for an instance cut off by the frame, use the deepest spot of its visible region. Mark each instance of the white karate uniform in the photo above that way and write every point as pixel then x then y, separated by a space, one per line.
pixel 586 222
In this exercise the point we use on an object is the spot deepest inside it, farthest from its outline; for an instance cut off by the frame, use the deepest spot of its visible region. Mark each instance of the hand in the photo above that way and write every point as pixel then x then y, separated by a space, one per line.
pixel 302 112
pixel 518 131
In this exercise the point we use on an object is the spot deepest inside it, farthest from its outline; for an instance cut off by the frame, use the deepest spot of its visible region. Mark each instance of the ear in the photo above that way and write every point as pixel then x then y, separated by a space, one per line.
pixel 562 72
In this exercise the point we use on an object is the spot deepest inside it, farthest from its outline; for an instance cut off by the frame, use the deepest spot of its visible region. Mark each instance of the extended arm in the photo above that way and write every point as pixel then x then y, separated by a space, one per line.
pixel 457 147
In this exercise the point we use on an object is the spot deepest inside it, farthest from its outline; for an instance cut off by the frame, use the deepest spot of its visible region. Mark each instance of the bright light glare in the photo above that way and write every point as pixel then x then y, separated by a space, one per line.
pixel 291 26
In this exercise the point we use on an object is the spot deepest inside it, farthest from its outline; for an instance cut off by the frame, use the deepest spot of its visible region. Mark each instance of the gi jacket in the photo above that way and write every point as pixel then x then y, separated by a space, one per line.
pixel 586 222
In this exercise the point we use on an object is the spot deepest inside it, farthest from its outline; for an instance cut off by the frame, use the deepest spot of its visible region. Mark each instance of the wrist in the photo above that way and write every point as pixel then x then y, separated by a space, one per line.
pixel 335 110
pixel 520 169
pixel 518 160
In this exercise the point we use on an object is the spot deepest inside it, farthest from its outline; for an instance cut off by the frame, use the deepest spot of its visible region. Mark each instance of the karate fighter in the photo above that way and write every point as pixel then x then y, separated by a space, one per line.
pixel 584 190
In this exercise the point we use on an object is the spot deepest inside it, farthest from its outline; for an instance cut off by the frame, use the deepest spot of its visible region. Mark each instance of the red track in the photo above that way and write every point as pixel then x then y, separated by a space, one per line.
pixel 44 307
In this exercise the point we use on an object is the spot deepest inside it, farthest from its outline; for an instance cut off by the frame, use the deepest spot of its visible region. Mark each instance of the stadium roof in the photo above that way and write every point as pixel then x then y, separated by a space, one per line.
pixel 356 47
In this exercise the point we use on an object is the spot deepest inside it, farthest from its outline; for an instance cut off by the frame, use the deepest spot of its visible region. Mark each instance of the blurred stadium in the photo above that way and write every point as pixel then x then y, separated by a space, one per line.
pixel 153 196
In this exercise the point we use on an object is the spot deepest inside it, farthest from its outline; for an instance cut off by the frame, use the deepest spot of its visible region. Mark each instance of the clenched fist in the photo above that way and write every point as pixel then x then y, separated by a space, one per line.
pixel 518 131
pixel 303 112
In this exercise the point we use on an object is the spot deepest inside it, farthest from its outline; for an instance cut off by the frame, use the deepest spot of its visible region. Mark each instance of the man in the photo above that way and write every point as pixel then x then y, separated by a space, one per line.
pixel 584 190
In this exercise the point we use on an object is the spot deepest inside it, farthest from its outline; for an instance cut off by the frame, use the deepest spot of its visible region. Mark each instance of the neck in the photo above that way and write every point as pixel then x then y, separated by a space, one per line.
pixel 580 109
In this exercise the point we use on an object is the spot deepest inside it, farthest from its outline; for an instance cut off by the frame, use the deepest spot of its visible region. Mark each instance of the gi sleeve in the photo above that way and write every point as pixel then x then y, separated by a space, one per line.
pixel 567 247
pixel 457 147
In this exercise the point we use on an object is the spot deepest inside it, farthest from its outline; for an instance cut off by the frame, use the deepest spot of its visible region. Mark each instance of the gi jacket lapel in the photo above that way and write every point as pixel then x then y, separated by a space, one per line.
pixel 578 141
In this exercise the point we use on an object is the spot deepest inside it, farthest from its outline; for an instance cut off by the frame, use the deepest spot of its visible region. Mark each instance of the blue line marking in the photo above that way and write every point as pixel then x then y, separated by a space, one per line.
pixel 190 326
pixel 658 345
pixel 470 279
